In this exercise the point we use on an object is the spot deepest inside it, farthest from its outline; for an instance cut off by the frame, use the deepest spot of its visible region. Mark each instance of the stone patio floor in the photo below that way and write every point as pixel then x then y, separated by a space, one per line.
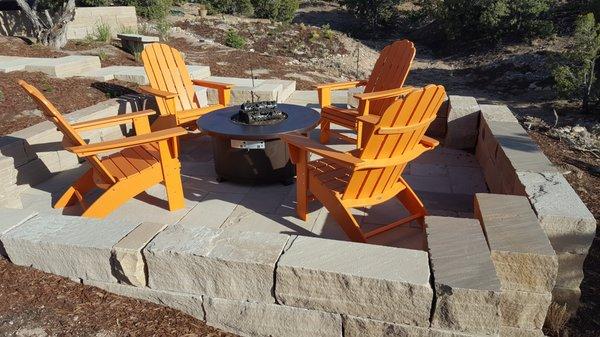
pixel 445 179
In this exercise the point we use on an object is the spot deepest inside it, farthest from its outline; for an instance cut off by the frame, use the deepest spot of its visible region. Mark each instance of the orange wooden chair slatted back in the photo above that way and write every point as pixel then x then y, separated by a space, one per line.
pixel 392 141
pixel 145 160
pixel 71 136
pixel 166 71
pixel 390 72
pixel 371 175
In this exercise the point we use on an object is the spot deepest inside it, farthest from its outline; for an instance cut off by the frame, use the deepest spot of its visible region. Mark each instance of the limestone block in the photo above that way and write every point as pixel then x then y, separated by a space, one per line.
pixel 262 319
pixel 187 303
pixel 568 223
pixel 463 119
pixel 522 255
pixel 570 270
pixel 525 310
pixel 497 113
pixel 467 289
pixel 507 331
pixel 127 260
pixel 364 327
pixel 219 263
pixel 11 218
pixel 73 247
pixel 386 283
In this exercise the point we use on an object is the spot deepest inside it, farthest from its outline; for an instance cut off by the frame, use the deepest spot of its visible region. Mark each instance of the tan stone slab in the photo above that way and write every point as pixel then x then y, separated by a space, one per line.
pixel 363 327
pixel 498 113
pixel 521 251
pixel 126 256
pixel 467 288
pixel 463 118
pixel 524 310
pixel 570 270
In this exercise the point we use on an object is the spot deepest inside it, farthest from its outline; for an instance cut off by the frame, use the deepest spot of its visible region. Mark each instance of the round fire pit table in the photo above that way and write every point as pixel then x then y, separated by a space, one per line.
pixel 255 153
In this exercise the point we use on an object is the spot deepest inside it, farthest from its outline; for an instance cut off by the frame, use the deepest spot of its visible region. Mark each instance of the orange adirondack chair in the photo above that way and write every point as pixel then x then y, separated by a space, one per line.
pixel 371 175
pixel 173 88
pixel 146 159
pixel 383 86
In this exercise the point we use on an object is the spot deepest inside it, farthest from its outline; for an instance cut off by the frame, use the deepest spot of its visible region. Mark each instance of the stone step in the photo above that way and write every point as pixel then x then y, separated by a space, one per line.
pixel 9 64
pixel 137 74
pixel 67 66
pixel 263 89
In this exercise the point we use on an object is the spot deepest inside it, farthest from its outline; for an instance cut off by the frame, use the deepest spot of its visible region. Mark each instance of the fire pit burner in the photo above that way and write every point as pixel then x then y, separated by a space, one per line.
pixel 254 153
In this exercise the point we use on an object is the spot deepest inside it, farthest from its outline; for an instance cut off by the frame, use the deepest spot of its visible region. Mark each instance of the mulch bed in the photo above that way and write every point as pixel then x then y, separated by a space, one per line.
pixel 13 46
pixel 35 301
pixel 67 95
pixel 586 182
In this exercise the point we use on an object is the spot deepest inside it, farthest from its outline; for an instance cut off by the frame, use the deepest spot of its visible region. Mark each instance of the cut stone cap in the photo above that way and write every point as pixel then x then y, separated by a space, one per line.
pixel 13 217
pixel 459 254
pixel 358 259
pixel 221 244
pixel 138 37
pixel 497 113
pixel 511 225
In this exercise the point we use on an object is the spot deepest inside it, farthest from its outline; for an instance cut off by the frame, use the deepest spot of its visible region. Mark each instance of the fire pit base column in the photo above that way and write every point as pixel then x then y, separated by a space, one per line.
pixel 270 164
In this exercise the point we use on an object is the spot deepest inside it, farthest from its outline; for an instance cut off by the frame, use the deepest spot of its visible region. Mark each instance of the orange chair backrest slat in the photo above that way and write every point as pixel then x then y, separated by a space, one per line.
pixel 71 135
pixel 395 137
pixel 390 72
pixel 166 71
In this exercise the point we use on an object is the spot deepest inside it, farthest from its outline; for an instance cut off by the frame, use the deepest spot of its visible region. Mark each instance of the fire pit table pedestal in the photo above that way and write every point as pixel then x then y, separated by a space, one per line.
pixel 255 153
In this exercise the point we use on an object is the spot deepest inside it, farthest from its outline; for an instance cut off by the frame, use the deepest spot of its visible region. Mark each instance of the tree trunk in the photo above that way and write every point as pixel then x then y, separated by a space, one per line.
pixel 48 30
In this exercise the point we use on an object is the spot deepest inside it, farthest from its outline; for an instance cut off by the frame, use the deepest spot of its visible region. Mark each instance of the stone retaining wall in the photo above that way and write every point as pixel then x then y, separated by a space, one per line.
pixel 86 21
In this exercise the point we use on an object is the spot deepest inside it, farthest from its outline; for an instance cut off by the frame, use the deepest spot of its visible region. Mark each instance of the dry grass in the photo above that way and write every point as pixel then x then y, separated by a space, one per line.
pixel 556 320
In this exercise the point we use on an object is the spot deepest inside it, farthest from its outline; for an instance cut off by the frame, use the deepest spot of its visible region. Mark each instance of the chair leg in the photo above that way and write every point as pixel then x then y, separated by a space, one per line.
pixel 412 203
pixel 174 190
pixel 325 131
pixel 78 190
pixel 302 186
pixel 341 214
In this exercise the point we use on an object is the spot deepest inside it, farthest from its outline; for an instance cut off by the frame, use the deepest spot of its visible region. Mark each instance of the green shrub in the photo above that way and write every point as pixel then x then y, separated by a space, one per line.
pixel 150 9
pixel 376 13
pixel 103 32
pixel 276 10
pixel 576 77
pixel 234 40
pixel 488 21
pixel 163 27
pixel 236 7
pixel 93 3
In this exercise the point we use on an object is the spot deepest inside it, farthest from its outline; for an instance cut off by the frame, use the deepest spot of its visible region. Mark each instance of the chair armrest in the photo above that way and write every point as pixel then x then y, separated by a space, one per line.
pixel 341 85
pixel 309 145
pixel 93 149
pixel 383 94
pixel 223 89
pixel 369 119
pixel 429 142
pixel 157 92
pixel 213 85
pixel 113 120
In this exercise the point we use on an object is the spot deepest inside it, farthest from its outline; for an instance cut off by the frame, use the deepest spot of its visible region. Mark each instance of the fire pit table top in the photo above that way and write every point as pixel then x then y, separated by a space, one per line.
pixel 219 123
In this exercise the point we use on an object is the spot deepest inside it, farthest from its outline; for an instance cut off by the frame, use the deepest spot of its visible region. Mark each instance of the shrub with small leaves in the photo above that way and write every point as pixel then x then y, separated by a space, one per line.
pixel 150 9
pixel 576 76
pixel 93 3
pixel 276 10
pixel 376 13
pixel 163 27
pixel 234 40
pixel 236 7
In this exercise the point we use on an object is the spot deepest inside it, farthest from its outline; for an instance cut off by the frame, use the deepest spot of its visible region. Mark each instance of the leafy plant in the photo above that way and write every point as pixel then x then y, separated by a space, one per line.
pixel 103 32
pixel 102 55
pixel 327 32
pixel 150 9
pixel 237 7
pixel 93 3
pixel 376 13
pixel 234 40
pixel 277 10
pixel 576 77
pixel 163 27
pixel 314 36
pixel 127 30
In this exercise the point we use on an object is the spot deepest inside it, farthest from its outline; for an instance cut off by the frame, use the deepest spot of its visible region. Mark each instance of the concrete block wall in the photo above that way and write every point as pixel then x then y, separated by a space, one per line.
pixel 513 164
pixel 86 21
pixel 34 154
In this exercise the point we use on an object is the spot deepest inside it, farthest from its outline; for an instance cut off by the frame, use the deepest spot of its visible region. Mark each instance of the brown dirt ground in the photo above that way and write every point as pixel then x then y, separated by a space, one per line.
pixel 40 303
pixel 67 95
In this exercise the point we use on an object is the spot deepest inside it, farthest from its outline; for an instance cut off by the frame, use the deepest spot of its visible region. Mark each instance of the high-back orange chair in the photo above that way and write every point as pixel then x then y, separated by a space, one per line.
pixel 146 159
pixel 383 86
pixel 371 175
pixel 173 88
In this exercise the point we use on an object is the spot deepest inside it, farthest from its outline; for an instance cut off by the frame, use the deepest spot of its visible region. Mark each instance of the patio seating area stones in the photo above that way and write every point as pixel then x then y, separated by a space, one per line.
pixel 137 74
pixel 389 284
pixel 513 164
pixel 262 89
pixel 11 218
pixel 466 287
pixel 462 119
pixel 523 257
pixel 134 43
pixel 60 67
